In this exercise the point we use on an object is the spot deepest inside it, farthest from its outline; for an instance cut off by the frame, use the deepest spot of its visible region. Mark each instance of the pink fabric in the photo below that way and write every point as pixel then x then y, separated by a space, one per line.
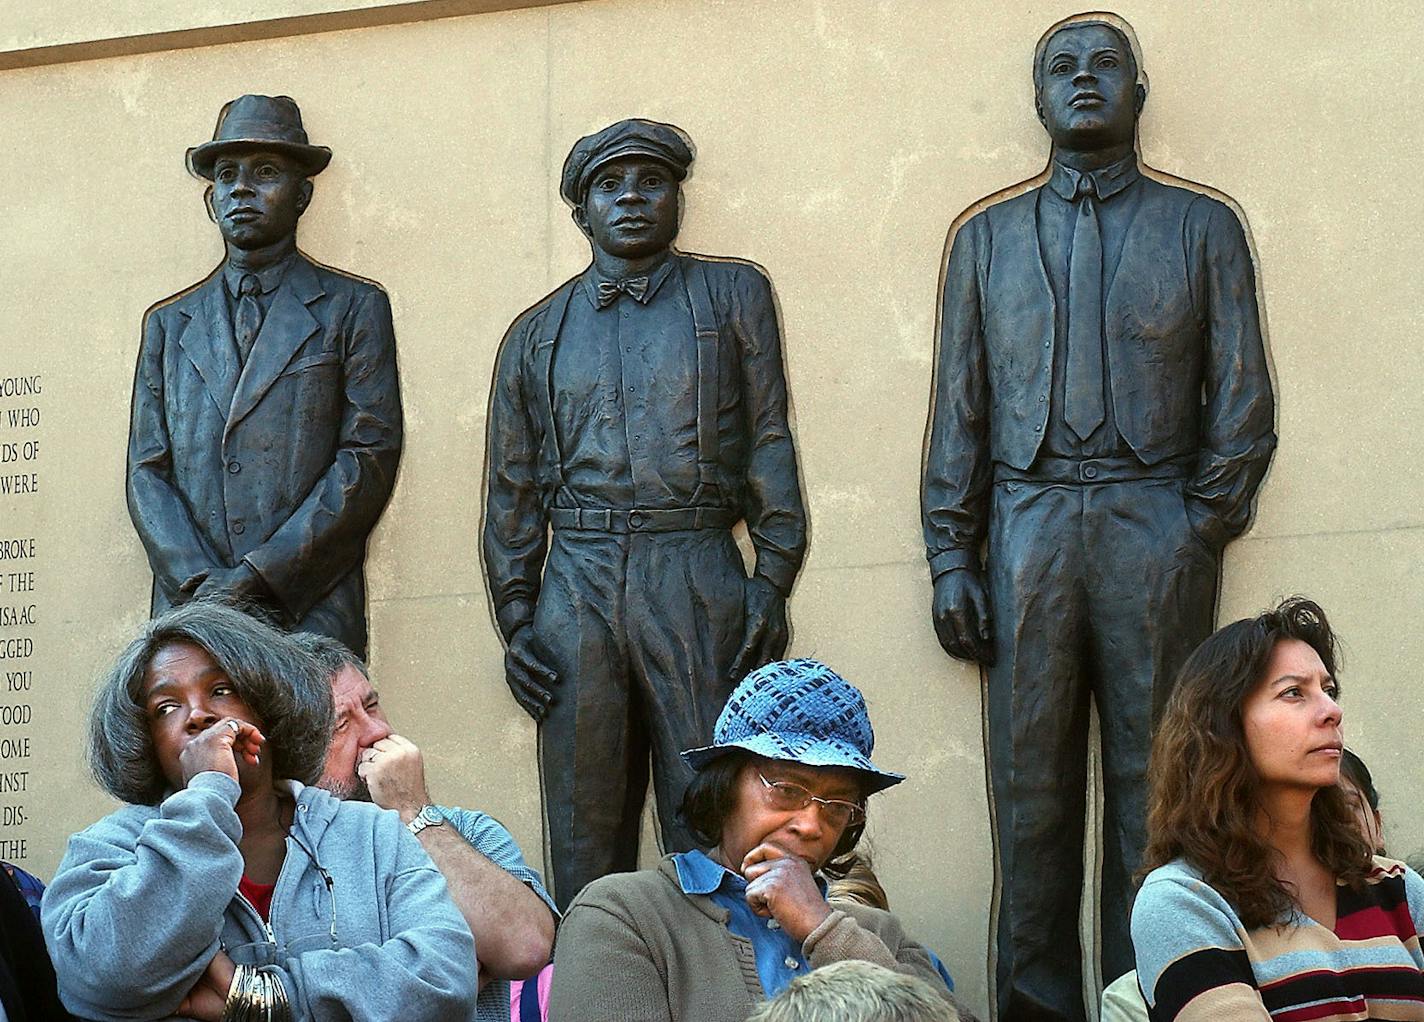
pixel 516 990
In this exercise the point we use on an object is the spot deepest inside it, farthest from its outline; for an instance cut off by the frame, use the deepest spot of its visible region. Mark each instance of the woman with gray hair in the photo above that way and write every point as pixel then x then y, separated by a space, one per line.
pixel 227 889
pixel 856 991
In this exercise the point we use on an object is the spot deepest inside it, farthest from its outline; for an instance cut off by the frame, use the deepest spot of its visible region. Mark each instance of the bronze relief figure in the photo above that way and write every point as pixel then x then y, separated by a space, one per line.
pixel 639 413
pixel 1101 421
pixel 266 419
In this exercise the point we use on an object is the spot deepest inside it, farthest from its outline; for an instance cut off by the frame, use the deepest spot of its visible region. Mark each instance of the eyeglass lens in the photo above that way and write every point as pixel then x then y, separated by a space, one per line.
pixel 786 795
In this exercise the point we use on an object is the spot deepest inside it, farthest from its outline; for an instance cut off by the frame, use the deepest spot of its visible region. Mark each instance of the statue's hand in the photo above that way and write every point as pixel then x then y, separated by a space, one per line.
pixel 529 678
pixel 241 584
pixel 192 584
pixel 961 616
pixel 213 583
pixel 1207 524
pixel 765 634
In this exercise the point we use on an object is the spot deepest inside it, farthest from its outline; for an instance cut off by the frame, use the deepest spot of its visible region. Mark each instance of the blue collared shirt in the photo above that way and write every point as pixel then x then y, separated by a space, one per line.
pixel 488 837
pixel 779 959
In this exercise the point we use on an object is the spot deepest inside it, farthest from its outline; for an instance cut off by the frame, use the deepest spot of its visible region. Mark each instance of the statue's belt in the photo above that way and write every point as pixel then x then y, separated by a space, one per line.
pixel 1095 470
pixel 591 519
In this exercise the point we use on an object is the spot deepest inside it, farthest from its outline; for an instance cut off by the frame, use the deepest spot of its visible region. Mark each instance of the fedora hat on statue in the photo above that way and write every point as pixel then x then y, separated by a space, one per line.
pixel 260 122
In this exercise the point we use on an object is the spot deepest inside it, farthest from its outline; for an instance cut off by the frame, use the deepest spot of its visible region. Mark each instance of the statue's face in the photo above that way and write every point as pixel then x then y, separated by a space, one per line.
pixel 1088 96
pixel 258 197
pixel 631 208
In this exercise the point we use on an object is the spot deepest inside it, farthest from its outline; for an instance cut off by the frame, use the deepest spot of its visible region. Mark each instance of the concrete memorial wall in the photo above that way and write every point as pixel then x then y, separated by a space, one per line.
pixel 837 141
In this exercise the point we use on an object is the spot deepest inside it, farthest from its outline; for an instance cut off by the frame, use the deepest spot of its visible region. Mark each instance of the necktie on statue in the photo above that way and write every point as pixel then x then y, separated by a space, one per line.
pixel 248 320
pixel 609 290
pixel 1083 391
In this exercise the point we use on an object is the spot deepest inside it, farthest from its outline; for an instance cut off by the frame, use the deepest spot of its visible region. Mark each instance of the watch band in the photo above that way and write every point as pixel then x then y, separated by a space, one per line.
pixel 428 816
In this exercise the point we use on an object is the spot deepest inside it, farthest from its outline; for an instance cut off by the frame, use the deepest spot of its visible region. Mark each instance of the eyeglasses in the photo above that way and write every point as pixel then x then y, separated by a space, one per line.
pixel 788 797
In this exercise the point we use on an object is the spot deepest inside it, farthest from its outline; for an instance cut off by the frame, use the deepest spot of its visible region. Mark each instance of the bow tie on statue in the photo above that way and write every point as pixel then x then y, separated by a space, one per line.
pixel 609 290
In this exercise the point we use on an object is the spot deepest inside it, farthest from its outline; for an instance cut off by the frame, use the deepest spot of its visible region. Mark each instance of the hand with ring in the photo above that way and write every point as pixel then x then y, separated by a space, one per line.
pixel 394 771
pixel 219 748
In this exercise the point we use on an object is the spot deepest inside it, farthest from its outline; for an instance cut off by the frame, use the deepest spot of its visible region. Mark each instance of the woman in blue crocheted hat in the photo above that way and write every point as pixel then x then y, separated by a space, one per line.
pixel 706 936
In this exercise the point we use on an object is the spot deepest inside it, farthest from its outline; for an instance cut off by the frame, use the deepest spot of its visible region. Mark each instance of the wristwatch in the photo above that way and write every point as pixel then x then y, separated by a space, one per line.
pixel 428 816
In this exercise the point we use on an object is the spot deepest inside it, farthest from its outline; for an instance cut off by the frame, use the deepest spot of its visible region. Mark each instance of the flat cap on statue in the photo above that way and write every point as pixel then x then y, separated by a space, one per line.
pixel 260 122
pixel 666 143
pixel 801 711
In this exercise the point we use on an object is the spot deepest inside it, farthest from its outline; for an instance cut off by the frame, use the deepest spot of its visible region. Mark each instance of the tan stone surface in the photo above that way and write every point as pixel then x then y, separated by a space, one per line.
pixel 837 141
pixel 34 34
pixel 28 24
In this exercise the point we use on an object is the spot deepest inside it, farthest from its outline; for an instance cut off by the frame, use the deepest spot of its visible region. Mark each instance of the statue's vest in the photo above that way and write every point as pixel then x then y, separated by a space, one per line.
pixel 1154 318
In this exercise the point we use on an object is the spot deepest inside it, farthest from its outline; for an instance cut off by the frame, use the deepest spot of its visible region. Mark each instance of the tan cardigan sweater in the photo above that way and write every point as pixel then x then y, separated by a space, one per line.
pixel 634 948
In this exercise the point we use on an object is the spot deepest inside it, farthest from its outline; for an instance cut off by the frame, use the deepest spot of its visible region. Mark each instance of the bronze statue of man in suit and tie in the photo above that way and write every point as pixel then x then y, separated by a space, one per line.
pixel 1102 419
pixel 266 419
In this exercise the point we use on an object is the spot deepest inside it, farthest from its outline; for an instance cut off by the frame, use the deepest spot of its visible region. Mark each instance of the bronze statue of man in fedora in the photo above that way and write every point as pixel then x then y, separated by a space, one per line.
pixel 1102 419
pixel 638 413
pixel 265 427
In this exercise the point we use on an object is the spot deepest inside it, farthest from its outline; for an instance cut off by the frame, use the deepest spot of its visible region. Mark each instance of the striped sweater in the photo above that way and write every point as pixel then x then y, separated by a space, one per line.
pixel 1196 961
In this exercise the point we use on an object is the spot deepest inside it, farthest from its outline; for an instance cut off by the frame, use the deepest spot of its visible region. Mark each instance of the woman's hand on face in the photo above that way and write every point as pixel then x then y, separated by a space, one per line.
pixel 782 886
pixel 219 747
pixel 205 1002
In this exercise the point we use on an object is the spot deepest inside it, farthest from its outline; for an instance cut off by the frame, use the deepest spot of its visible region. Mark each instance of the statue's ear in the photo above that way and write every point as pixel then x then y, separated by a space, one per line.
pixel 1038 107
pixel 208 203
pixel 1141 97
pixel 580 216
pixel 304 199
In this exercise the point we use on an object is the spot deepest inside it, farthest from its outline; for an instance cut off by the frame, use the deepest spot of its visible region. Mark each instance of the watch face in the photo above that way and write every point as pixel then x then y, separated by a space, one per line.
pixel 428 816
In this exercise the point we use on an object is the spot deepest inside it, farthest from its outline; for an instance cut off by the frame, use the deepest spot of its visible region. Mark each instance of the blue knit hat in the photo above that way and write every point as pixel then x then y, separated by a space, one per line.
pixel 797 710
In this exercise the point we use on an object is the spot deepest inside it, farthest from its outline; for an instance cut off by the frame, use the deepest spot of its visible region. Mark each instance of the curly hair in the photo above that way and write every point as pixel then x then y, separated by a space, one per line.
pixel 283 685
pixel 852 878
pixel 1353 769
pixel 1205 793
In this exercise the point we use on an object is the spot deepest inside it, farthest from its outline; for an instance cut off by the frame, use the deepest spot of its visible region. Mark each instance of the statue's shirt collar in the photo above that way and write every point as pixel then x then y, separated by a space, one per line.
pixel 269 278
pixel 592 278
pixel 1107 181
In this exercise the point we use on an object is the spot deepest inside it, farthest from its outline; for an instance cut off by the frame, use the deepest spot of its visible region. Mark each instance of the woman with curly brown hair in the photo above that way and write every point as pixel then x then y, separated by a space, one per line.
pixel 1264 899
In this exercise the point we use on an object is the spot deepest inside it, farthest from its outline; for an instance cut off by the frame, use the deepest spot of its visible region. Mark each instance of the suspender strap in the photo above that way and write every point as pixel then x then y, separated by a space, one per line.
pixel 548 339
pixel 704 323
pixel 529 1000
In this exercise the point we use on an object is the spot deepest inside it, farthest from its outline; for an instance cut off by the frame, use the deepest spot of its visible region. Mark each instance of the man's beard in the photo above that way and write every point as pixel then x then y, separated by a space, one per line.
pixel 354 790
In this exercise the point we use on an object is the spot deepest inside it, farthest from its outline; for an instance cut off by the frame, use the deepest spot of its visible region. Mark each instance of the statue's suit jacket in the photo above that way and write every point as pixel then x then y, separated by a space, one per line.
pixel 285 464
pixel 1184 354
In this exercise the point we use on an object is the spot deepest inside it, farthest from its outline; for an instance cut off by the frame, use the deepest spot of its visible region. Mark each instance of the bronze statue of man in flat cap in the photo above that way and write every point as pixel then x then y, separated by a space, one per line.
pixel 1102 419
pixel 266 419
pixel 639 412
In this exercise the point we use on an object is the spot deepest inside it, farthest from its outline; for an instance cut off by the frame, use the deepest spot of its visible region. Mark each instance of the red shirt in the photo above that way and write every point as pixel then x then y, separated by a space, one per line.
pixel 259 894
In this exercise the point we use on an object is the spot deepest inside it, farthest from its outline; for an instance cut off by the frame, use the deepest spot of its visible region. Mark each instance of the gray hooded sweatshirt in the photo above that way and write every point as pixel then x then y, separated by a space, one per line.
pixel 361 925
